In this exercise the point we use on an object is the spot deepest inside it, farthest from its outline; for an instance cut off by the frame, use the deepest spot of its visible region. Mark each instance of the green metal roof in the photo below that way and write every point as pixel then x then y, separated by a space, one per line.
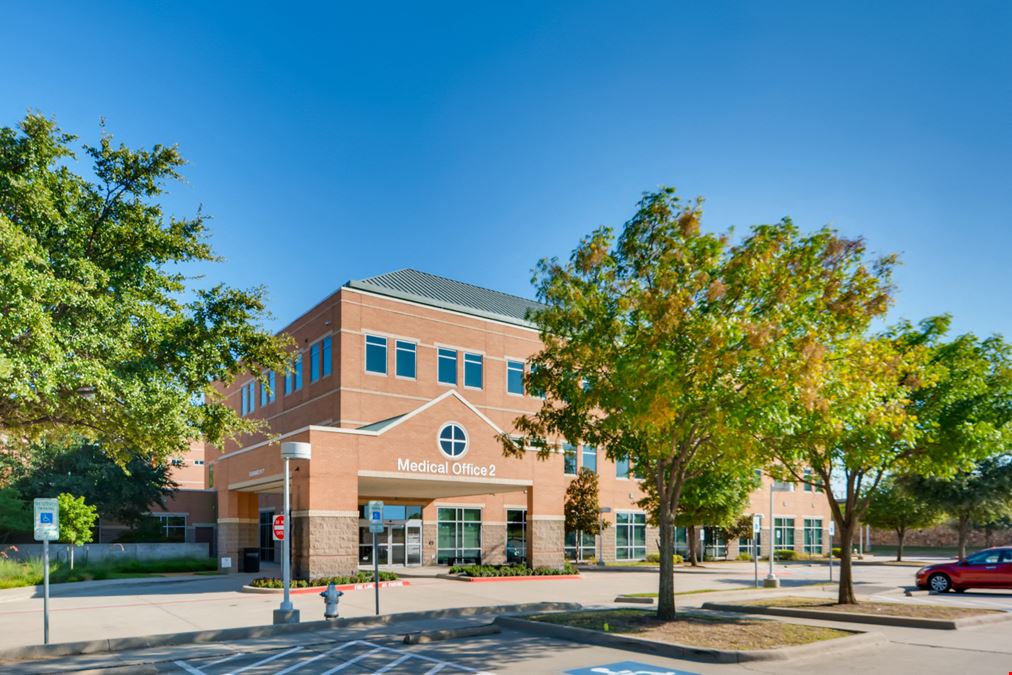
pixel 436 291
pixel 382 424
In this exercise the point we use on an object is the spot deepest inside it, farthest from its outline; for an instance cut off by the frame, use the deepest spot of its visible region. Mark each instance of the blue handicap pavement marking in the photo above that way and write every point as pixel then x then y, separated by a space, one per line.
pixel 628 668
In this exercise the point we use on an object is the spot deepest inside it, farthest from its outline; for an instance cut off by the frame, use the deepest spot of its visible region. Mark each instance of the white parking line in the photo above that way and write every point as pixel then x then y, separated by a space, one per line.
pixel 188 668
pixel 227 658
pixel 313 658
pixel 392 664
pixel 267 660
pixel 371 652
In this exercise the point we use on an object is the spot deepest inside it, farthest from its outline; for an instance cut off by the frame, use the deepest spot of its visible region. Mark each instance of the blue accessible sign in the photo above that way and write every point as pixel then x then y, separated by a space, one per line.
pixel 628 668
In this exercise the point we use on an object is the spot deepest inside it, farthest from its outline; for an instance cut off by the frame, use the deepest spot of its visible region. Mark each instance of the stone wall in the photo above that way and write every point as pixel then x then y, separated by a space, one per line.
pixel 545 541
pixel 235 534
pixel 324 545
pixel 941 536
pixel 104 552
pixel 493 543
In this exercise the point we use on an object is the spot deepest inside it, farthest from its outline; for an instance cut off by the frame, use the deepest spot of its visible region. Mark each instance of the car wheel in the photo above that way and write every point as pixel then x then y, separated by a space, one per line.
pixel 940 583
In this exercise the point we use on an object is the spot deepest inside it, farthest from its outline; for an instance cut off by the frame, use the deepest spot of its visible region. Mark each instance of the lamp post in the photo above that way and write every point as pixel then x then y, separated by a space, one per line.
pixel 287 613
pixel 771 580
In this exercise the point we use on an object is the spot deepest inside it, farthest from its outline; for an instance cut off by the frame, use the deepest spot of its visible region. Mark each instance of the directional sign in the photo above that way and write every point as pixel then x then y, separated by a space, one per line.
pixel 278 528
pixel 628 668
pixel 47 519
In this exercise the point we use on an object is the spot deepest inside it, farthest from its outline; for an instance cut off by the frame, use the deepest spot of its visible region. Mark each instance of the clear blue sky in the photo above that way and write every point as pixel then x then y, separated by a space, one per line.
pixel 471 139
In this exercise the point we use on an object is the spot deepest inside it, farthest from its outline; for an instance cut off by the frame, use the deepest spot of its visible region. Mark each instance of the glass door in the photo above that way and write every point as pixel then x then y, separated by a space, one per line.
pixel 413 543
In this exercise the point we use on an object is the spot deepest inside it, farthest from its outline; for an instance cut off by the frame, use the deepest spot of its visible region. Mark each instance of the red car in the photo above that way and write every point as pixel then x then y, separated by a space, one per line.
pixel 990 568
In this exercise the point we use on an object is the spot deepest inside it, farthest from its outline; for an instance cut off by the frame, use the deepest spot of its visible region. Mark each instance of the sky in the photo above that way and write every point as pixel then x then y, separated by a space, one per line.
pixel 337 141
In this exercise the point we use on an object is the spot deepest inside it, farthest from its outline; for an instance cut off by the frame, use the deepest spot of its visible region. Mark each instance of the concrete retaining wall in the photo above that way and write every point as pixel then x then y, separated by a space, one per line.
pixel 102 552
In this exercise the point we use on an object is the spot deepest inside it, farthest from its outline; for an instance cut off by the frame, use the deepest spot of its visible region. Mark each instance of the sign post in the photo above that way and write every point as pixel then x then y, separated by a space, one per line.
pixel 47 528
pixel 832 531
pixel 287 613
pixel 376 527
pixel 756 529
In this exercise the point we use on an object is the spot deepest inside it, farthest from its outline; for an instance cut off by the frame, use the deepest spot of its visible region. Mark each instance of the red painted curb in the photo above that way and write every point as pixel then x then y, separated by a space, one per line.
pixel 366 586
pixel 541 577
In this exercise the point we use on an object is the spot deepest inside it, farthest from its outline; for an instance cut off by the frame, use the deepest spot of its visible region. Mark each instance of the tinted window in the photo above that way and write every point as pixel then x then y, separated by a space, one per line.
pixel 515 377
pixel 405 359
pixel 375 354
pixel 473 370
pixel 447 366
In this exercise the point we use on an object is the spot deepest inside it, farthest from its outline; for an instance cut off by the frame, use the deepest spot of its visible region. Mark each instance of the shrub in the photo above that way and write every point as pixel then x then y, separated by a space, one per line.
pixel 786 554
pixel 656 558
pixel 511 570
pixel 745 556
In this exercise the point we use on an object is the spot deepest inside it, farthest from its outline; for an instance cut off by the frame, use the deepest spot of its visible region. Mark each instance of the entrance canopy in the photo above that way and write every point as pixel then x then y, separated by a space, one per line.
pixel 384 483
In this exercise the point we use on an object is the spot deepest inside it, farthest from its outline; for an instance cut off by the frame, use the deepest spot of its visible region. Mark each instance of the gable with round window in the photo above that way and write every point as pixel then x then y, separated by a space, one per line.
pixel 453 440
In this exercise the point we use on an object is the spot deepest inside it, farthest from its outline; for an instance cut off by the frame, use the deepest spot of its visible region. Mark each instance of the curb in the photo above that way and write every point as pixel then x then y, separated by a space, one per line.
pixel 364 586
pixel 677 651
pixel 58 589
pixel 35 652
pixel 850 617
pixel 450 634
pixel 490 580
pixel 633 600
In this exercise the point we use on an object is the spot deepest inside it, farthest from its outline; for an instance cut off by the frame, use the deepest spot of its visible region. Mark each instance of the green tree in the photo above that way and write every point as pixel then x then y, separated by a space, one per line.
pixel 124 493
pixel 978 496
pixel 582 507
pixel 15 514
pixel 715 498
pixel 100 331
pixel 903 402
pixel 897 507
pixel 77 522
pixel 670 345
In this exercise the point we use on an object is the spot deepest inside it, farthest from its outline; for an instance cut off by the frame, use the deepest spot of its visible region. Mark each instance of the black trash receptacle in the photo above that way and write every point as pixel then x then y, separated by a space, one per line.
pixel 250 560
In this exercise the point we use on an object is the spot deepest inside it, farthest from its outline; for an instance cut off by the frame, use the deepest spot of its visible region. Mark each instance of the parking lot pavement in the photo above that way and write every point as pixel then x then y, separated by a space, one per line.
pixel 357 656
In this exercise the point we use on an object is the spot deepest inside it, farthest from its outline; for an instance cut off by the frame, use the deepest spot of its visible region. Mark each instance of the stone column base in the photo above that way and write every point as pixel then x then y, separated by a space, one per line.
pixel 546 538
pixel 324 546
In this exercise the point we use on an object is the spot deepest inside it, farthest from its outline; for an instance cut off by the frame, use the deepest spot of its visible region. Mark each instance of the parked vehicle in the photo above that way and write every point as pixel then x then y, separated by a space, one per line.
pixel 990 568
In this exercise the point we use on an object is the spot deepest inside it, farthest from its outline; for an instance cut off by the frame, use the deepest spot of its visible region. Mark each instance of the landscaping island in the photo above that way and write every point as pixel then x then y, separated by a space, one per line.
pixel 880 608
pixel 18 573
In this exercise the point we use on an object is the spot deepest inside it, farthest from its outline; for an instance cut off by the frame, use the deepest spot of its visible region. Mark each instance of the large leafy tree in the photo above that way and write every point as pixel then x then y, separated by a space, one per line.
pixel 978 496
pixel 714 498
pixel 904 402
pixel 100 331
pixel 582 507
pixel 897 506
pixel 670 345
pixel 123 493
pixel 77 522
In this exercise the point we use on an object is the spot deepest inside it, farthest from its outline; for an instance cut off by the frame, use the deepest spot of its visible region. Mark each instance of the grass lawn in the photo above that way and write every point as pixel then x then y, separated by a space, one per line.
pixel 696 630
pixel 15 573
pixel 653 594
pixel 883 608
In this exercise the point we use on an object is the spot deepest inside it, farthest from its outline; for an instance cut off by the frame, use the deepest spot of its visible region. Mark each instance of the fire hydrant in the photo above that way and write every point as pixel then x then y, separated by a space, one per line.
pixel 331 597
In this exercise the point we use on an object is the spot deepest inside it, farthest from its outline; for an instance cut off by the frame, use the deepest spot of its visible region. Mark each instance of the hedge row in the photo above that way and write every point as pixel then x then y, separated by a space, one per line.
pixel 511 570
pixel 360 578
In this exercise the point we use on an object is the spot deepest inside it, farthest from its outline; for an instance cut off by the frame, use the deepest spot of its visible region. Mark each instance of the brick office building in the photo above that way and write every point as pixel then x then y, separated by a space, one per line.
pixel 402 384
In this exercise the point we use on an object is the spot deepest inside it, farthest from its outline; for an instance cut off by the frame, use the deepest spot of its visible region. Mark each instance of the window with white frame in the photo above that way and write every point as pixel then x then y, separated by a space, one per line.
pixel 590 458
pixel 375 354
pixel 446 366
pixel 473 367
pixel 630 536
pixel 405 365
pixel 622 467
pixel 569 459
pixel 783 534
pixel 173 526
pixel 515 377
pixel 580 546
pixel 812 543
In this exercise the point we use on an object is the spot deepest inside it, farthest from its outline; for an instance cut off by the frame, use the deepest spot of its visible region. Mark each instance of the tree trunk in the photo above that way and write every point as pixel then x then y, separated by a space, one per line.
pixel 901 533
pixel 690 534
pixel 988 536
pixel 666 584
pixel 964 534
pixel 846 594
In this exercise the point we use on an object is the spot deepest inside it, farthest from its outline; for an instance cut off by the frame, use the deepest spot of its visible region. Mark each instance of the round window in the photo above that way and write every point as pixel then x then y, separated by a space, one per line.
pixel 453 440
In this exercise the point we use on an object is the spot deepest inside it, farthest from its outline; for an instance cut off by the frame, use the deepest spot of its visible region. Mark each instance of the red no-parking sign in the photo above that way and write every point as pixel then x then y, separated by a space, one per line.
pixel 279 528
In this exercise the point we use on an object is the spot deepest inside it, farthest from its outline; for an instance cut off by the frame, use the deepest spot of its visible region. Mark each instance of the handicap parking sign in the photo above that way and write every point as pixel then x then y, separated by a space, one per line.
pixel 628 668
pixel 46 517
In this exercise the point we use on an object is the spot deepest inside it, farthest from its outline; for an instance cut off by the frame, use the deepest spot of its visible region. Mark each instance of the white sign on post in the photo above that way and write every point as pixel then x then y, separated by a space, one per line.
pixel 375 512
pixel 47 519
pixel 757 524
pixel 832 528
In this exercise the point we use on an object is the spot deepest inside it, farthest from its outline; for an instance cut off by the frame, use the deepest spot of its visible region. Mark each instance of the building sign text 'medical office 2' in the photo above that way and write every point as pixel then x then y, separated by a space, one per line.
pixel 445 468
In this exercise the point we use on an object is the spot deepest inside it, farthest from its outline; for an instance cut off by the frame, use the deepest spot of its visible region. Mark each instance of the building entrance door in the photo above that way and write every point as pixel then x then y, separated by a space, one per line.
pixel 401 541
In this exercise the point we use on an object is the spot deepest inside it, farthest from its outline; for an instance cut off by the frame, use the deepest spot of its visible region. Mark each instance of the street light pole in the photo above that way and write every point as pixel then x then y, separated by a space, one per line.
pixel 287 613
pixel 771 580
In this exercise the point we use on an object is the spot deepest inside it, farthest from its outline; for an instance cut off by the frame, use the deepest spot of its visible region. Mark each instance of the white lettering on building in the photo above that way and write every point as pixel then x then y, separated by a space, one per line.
pixel 445 468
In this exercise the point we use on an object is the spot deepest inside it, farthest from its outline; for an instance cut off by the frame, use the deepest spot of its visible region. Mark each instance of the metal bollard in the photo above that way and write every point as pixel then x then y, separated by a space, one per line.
pixel 331 597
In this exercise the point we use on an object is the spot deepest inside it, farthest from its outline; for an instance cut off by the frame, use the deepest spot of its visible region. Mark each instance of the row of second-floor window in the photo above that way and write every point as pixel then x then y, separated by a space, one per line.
pixel 453 367
pixel 585 456
pixel 321 364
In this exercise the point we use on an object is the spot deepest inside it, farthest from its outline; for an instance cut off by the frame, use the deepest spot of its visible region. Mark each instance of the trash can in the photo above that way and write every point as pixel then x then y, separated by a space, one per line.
pixel 250 560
